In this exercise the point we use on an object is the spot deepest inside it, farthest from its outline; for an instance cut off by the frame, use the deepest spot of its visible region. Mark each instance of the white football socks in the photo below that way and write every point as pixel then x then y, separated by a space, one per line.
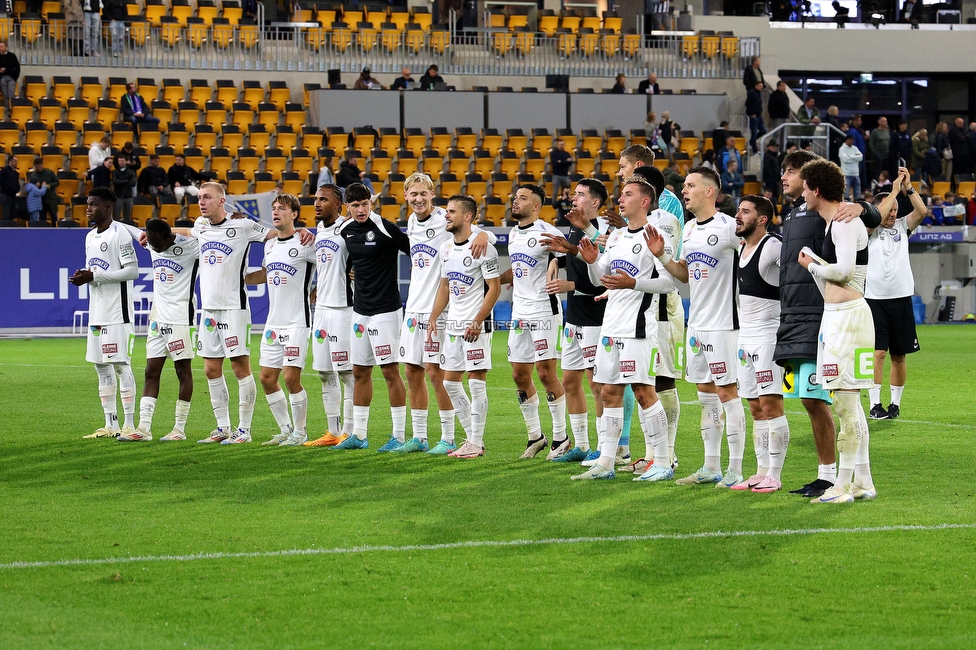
pixel 182 413
pixel 279 409
pixel 557 408
pixel 735 432
pixel 247 395
pixel 348 382
pixel 299 410
pixel 760 444
pixel 220 400
pixel 711 430
pixel 147 407
pixel 862 461
pixel 462 405
pixel 399 415
pixel 479 410
pixel 530 413
pixel 779 442
pixel 874 394
pixel 418 418
pixel 447 426
pixel 655 425
pixel 107 389
pixel 360 417
pixel 331 399
pixel 896 392
pixel 672 408
pixel 127 388
pixel 579 423
pixel 614 419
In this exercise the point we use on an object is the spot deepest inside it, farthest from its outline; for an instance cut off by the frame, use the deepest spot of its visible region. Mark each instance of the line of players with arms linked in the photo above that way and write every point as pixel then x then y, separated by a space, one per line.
pixel 623 334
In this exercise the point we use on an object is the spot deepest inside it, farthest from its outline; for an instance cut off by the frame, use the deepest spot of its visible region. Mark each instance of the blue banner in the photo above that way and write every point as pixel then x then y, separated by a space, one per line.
pixel 35 265
pixel 936 236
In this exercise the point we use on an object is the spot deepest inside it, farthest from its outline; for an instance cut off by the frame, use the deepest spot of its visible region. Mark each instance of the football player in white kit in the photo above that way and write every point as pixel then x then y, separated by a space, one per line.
pixel 172 325
pixel 110 268
pixel 761 378
pixel 468 290
pixel 845 359
pixel 629 333
pixel 332 324
pixel 226 331
pixel 288 269
pixel 421 354
pixel 536 321
pixel 707 262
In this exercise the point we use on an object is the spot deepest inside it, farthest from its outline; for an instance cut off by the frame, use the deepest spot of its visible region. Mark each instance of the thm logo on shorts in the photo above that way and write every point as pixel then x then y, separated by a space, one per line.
pixel 175 346
pixel 476 355
pixel 110 348
pixel 541 345
pixel 628 366
pixel 292 351
pixel 231 341
pixel 383 350
pixel 829 370
pixel 717 368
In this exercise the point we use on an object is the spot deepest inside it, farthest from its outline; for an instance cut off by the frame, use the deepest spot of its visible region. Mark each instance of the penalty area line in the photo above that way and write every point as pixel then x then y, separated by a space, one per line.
pixel 612 539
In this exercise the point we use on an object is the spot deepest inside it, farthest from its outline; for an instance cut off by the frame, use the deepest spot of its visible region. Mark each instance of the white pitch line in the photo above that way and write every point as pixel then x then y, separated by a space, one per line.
pixel 487 544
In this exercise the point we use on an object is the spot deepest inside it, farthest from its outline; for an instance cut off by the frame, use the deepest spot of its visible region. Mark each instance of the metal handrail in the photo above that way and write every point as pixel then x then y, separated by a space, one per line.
pixel 819 138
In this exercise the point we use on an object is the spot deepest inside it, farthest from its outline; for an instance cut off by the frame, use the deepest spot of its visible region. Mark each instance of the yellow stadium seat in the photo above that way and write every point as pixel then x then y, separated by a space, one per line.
pixel 258 137
pixel 501 43
pixel 182 11
pixel 200 91
pixel 173 91
pixel 413 39
pixel 248 162
pixel 62 89
pixel 231 138
pixel 589 41
pixel 548 23
pixel 566 43
pixel 517 22
pixel 222 32
pixel 91 133
pixel 400 19
pixel 30 29
pixel 391 36
pixel 709 45
pixel 170 31
pixel 21 111
pixel 65 135
pixel 730 46
pixel 232 11
pixel 295 116
pixel 612 21
pixel 139 32
pixel 439 41
pixel 275 162
pixel 341 37
pixel 466 140
pixel 155 12
pixel 292 183
pixel 316 37
pixel 215 114
pixel 302 163
pixel 524 40
pixel 422 17
pixel 34 88
pixel 207 10
pixel 58 27
pixel 90 90
pixel 189 112
pixel 247 34
pixel 689 46
pixel 368 36
pixel 50 112
pixel 177 136
pixel 415 141
pixel 285 137
pixel 278 94
pixel 631 45
pixel 610 43
pixel 36 135
pixel 326 16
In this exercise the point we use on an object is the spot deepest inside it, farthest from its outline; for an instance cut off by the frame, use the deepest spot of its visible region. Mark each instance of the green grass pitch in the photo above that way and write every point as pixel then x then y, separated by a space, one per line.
pixel 411 552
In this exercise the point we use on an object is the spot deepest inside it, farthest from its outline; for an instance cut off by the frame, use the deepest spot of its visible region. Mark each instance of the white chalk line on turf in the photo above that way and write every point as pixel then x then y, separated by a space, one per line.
pixel 614 539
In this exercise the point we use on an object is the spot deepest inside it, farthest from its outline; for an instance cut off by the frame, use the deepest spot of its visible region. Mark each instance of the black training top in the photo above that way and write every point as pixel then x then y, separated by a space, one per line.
pixel 373 249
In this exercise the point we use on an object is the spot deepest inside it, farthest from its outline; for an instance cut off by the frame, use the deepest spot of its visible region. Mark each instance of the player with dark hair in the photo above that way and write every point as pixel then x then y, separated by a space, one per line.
pixel 584 314
pixel 536 321
pixel 801 309
pixel 845 356
pixel 287 268
pixel 628 336
pixel 636 156
pixel 760 378
pixel 708 262
pixel 469 287
pixel 172 325
pixel 332 323
pixel 110 268
pixel 374 245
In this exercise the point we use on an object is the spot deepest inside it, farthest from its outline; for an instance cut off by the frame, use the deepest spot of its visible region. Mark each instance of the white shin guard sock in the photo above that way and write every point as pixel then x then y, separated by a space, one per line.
pixel 735 431
pixel 530 413
pixel 107 389
pixel 760 444
pixel 399 416
pixel 279 410
pixel 147 407
pixel 614 419
pixel 779 443
pixel 247 395
pixel 655 425
pixel 447 425
pixel 479 410
pixel 672 408
pixel 579 423
pixel 557 409
pixel 462 405
pixel 220 400
pixel 418 418
pixel 711 430
pixel 127 389
pixel 299 409
pixel 331 399
pixel 347 381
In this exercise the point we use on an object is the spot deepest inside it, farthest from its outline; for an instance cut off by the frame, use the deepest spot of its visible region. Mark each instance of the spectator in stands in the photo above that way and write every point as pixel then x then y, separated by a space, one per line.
pixel 153 180
pixel 940 140
pixel 135 109
pixel 862 146
pixel 563 203
pixel 725 203
pixel 708 160
pixel 778 106
pixel 40 174
pixel 728 153
pixel 669 131
pixel 182 179
pixel 652 132
pixel 959 144
pixel 93 26
pixel 752 75
pixel 403 82
pixel 971 138
pixel 250 9
pixel 850 161
pixel 366 81
pixel 902 144
pixel 673 178
pixel 911 13
pixel 131 157
pixel 772 171
pixel 953 210
pixel 971 210
pixel 732 181
pixel 9 74
pixel 619 88
pixel 882 183
pixel 9 187
pixel 349 173
pixel 115 12
pixel 754 110
pixel 836 139
pixel 931 166
pixel 560 162
pixel 99 152
pixel 649 86
pixel 720 135
pixel 880 144
pixel 920 144
pixel 35 191
pixel 431 78
pixel 124 186
pixel 326 177
pixel 101 176
pixel 808 115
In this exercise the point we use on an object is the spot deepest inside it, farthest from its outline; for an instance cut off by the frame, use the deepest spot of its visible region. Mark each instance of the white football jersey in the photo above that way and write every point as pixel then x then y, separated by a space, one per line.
pixel 223 260
pixel 466 282
pixel 290 266
pixel 427 238
pixel 759 303
pixel 174 281
pixel 889 271
pixel 711 250
pixel 530 262
pixel 333 286
pixel 109 303
pixel 630 313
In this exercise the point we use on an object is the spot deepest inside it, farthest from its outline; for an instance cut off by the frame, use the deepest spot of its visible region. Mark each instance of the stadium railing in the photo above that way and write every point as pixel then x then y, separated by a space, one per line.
pixel 299 47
